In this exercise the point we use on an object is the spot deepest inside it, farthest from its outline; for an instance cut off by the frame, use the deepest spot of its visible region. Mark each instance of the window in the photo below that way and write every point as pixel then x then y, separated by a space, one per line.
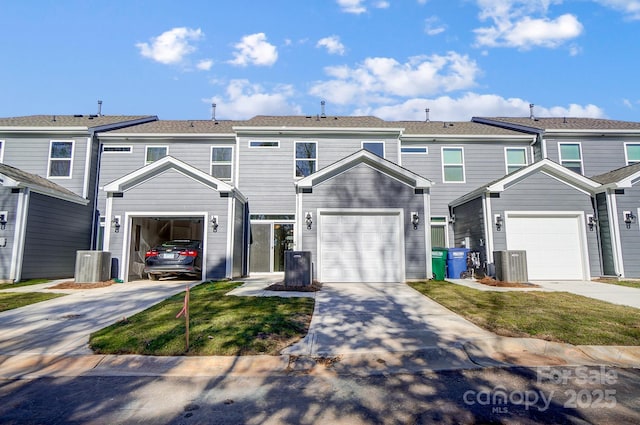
pixel 60 158
pixel 516 158
pixel 453 165
pixel 1 150
pixel 155 153
pixel 222 162
pixel 374 147
pixel 264 144
pixel 116 149
pixel 438 232
pixel 631 152
pixel 414 149
pixel 571 156
pixel 306 157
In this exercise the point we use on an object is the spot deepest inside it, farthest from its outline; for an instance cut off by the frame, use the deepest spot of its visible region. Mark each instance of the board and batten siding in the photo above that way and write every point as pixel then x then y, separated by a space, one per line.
pixel 470 224
pixel 173 192
pixel 606 243
pixel 9 202
pixel 540 192
pixel 267 174
pixel 239 250
pixel 56 230
pixel 599 155
pixel 363 188
pixel 629 238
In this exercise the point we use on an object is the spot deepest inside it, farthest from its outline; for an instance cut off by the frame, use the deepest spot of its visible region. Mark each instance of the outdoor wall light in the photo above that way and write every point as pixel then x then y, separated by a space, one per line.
pixel 214 223
pixel 452 219
pixel 629 218
pixel 591 222
pixel 4 216
pixel 497 220
pixel 308 218
pixel 415 220
pixel 116 224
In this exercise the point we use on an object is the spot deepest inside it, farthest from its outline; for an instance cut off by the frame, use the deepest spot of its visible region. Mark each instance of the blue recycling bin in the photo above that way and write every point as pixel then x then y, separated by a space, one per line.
pixel 456 262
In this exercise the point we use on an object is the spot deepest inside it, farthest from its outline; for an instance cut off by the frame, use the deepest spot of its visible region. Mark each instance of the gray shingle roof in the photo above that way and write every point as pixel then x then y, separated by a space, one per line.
pixel 30 180
pixel 314 121
pixel 567 123
pixel 463 128
pixel 88 121
pixel 180 127
pixel 617 175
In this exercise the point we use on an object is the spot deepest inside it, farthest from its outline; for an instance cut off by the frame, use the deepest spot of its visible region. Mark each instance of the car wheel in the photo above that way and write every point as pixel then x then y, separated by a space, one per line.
pixel 153 276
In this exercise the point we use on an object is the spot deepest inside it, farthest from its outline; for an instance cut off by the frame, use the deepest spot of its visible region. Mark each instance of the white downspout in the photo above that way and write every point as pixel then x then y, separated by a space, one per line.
pixel 17 255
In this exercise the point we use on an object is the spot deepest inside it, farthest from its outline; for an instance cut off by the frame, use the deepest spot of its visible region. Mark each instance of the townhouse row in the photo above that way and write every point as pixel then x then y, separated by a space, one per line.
pixel 369 198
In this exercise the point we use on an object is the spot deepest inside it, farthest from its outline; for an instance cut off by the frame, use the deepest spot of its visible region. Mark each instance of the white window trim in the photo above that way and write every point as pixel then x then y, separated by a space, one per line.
pixel 464 172
pixel 73 151
pixel 295 157
pixel 146 151
pixel 626 153
pixel 506 157
pixel 426 150
pixel 579 150
pixel 230 163
pixel 2 147
pixel 277 146
pixel 129 147
pixel 382 142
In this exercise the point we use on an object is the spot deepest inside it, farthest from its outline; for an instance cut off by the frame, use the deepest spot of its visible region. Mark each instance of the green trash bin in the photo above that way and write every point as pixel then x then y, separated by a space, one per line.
pixel 439 263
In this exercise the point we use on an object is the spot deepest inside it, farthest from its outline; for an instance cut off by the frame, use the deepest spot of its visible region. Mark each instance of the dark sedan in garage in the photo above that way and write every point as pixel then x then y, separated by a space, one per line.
pixel 174 258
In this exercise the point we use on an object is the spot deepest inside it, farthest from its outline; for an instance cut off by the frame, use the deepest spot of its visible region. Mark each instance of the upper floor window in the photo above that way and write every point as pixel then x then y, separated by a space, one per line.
pixel 374 147
pixel 222 162
pixel 1 150
pixel 453 165
pixel 155 153
pixel 631 152
pixel 571 156
pixel 306 158
pixel 60 158
pixel 117 149
pixel 515 158
pixel 264 143
pixel 414 149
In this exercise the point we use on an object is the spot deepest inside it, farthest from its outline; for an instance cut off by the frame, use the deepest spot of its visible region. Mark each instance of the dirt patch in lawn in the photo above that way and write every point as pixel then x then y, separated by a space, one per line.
pixel 501 284
pixel 280 286
pixel 71 284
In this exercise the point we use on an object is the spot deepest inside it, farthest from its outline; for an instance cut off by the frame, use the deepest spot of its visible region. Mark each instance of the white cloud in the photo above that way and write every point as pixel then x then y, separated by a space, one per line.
pixel 243 100
pixel 204 65
pixel 171 47
pixel 470 105
pixel 629 7
pixel 382 5
pixel 255 50
pixel 352 6
pixel 513 25
pixel 382 79
pixel 433 26
pixel 332 44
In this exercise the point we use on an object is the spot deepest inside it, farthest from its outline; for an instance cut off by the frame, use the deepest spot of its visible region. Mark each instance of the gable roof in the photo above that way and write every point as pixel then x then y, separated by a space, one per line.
pixel 622 177
pixel 71 123
pixel 164 164
pixel 14 177
pixel 546 165
pixel 365 157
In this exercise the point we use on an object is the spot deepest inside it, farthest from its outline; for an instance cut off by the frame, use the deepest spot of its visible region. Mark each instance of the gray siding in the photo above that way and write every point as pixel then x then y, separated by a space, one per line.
pixel 174 192
pixel 56 229
pixel 238 240
pixel 9 203
pixel 599 155
pixel 364 187
pixel 604 227
pixel 629 238
pixel 540 192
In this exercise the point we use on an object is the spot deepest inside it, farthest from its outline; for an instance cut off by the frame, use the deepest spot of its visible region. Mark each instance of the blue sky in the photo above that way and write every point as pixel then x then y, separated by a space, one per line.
pixel 391 59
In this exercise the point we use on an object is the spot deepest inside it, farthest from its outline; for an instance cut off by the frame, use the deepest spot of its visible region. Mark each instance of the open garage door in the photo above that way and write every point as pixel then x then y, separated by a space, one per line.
pixel 147 232
pixel 554 245
pixel 361 248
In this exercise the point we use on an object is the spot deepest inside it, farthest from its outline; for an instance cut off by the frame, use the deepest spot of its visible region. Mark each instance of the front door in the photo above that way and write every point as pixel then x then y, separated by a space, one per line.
pixel 269 243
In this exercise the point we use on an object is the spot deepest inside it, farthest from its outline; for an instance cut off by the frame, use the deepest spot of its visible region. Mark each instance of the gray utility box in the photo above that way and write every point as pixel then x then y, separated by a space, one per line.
pixel 93 266
pixel 511 266
pixel 297 268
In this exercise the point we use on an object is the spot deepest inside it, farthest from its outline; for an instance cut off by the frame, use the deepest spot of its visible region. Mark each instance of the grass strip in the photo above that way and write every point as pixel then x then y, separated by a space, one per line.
pixel 219 325
pixel 553 316
pixel 11 300
pixel 23 283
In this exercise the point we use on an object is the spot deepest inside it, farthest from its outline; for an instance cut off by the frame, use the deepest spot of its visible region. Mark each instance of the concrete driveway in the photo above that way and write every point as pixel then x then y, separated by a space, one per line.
pixel 381 317
pixel 63 325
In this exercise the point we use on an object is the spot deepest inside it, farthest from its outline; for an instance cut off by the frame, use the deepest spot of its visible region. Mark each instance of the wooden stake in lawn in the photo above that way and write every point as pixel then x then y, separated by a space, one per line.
pixel 185 312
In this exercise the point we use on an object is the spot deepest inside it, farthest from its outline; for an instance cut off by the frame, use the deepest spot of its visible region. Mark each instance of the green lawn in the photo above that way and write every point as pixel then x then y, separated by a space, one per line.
pixel 219 325
pixel 11 300
pixel 23 283
pixel 553 316
pixel 629 283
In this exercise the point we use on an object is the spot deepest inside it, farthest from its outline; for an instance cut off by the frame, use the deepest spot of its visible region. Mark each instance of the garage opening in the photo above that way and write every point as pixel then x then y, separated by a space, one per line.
pixel 149 232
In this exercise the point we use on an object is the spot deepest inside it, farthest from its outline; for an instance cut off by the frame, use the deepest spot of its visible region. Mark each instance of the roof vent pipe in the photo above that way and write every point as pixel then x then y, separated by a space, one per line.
pixel 213 112
pixel 531 115
pixel 322 104
pixel 426 111
pixel 99 108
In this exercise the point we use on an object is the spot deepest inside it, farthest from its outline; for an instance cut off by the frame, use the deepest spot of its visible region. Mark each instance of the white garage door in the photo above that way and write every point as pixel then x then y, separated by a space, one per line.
pixel 360 248
pixel 553 244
